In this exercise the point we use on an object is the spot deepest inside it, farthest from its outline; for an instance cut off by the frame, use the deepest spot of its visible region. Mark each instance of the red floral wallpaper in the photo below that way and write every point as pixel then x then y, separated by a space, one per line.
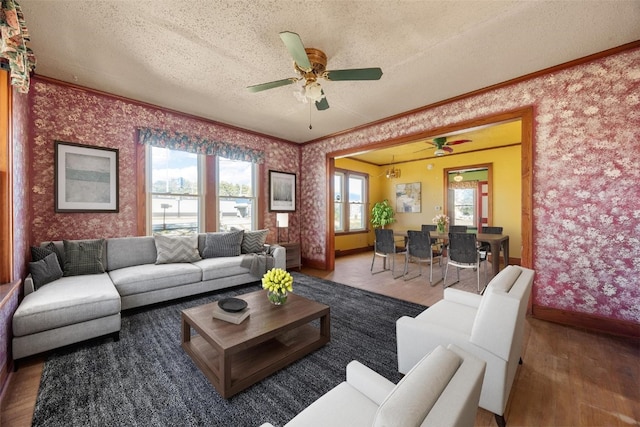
pixel 59 112
pixel 586 198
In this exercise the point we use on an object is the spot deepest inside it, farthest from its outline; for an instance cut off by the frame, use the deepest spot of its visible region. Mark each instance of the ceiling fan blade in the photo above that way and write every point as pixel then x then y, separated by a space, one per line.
pixel 271 85
pixel 294 45
pixel 447 149
pixel 460 141
pixel 323 104
pixel 354 74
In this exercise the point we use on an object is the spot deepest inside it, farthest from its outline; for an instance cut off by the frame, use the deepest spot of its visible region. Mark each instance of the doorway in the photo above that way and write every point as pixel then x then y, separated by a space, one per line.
pixel 468 195
pixel 524 116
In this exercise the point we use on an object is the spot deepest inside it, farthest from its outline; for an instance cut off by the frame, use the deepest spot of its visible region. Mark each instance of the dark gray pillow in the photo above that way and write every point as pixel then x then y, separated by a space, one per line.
pixel 223 244
pixel 40 252
pixel 83 257
pixel 45 270
pixel 253 241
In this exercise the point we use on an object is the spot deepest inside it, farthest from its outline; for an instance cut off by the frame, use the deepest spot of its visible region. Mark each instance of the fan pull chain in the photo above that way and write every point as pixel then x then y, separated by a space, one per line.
pixel 310 103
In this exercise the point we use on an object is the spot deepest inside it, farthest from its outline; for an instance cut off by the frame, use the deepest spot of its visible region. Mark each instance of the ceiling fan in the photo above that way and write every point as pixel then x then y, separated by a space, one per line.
pixel 443 146
pixel 310 64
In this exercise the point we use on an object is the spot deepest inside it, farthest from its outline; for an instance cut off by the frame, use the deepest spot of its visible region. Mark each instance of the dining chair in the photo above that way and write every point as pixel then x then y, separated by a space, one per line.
pixel 457 229
pixel 485 246
pixel 421 248
pixel 463 252
pixel 385 247
pixel 426 228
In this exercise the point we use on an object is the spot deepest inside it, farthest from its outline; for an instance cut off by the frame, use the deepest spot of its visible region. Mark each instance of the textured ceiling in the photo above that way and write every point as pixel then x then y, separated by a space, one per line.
pixel 198 57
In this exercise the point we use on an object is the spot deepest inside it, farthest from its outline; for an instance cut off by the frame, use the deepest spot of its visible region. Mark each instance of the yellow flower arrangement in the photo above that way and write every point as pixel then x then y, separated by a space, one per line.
pixel 278 283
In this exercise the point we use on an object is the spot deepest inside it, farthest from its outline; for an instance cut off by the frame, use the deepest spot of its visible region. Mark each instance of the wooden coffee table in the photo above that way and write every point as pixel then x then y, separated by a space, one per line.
pixel 233 357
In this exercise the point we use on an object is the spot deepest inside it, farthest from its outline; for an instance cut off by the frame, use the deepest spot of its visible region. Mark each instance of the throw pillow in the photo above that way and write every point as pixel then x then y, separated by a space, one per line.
pixel 223 244
pixel 253 241
pixel 40 252
pixel 45 270
pixel 176 248
pixel 83 257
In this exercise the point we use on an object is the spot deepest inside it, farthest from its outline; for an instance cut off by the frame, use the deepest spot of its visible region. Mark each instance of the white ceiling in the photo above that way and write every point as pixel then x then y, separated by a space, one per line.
pixel 198 56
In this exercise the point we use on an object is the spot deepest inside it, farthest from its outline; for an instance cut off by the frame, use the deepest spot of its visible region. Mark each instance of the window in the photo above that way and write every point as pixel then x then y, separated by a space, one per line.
pixel 176 196
pixel 464 206
pixel 350 200
pixel 236 194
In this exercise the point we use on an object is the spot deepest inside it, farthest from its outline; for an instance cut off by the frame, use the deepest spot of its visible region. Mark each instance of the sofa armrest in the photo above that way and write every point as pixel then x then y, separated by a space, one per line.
pixel 267 425
pixel 462 297
pixel 279 254
pixel 28 285
pixel 368 382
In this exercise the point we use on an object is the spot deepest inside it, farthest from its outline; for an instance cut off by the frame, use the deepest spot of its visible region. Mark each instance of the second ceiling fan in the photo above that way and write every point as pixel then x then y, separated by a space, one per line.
pixel 310 64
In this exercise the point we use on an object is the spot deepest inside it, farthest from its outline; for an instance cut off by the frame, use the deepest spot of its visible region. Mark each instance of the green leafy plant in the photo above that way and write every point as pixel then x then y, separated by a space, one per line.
pixel 382 214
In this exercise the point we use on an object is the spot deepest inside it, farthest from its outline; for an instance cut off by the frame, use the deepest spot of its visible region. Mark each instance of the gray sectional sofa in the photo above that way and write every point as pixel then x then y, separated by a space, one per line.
pixel 75 308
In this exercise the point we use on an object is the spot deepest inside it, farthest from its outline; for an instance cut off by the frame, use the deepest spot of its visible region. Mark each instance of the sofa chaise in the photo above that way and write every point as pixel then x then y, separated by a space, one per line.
pixel 109 275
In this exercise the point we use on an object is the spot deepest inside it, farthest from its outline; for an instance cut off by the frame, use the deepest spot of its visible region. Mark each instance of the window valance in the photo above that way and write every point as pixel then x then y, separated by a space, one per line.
pixel 199 145
pixel 14 36
pixel 463 185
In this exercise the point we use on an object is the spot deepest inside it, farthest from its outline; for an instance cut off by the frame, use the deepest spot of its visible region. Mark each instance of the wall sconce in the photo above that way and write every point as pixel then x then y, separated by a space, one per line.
pixel 282 221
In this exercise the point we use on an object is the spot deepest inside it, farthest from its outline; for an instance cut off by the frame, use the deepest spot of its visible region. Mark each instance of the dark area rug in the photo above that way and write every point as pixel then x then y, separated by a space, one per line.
pixel 146 379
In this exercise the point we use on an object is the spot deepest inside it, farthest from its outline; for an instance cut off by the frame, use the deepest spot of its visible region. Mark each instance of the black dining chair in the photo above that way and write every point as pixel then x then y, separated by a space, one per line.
pixel 426 228
pixel 457 229
pixel 463 252
pixel 485 246
pixel 421 248
pixel 385 247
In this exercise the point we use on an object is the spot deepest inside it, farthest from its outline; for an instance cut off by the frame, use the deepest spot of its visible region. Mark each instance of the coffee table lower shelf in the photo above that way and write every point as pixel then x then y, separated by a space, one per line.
pixel 232 373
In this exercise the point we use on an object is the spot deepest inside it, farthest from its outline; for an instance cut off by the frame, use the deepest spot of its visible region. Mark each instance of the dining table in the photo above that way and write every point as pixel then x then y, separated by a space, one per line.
pixel 496 243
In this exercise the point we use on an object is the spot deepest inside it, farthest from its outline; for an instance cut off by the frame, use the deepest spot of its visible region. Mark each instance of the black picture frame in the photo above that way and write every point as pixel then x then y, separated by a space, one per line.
pixel 282 191
pixel 86 178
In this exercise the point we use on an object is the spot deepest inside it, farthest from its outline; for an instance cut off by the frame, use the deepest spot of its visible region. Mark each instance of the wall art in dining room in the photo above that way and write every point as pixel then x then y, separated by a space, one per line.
pixel 408 198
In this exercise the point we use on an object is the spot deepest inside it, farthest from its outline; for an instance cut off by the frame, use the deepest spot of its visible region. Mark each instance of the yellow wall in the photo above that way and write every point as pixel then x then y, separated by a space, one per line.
pixel 506 192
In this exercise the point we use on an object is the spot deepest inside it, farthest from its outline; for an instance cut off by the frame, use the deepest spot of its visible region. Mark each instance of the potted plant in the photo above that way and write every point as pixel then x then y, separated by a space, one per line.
pixel 382 214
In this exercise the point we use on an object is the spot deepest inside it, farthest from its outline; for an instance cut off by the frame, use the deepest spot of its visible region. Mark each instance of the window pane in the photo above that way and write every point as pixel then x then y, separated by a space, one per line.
pixel 337 185
pixel 356 216
pixel 464 206
pixel 356 189
pixel 338 221
pixel 236 198
pixel 175 191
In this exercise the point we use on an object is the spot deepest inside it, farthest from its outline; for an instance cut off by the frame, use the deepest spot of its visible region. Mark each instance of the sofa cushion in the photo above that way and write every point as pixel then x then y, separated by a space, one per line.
pixel 223 244
pixel 83 257
pixel 450 315
pixel 66 301
pixel 505 279
pixel 172 249
pixel 129 251
pixel 151 277
pixel 253 241
pixel 216 268
pixel 45 270
pixel 414 396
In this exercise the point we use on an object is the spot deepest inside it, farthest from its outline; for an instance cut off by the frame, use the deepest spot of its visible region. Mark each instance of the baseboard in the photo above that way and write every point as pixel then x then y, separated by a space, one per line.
pixel 354 251
pixel 587 321
pixel 312 263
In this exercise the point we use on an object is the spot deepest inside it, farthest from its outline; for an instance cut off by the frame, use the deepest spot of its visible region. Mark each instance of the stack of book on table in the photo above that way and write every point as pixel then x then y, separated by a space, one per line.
pixel 236 317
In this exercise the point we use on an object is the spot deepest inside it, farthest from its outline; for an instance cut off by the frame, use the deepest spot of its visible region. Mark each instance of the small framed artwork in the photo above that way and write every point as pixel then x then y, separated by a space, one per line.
pixel 408 198
pixel 86 178
pixel 282 191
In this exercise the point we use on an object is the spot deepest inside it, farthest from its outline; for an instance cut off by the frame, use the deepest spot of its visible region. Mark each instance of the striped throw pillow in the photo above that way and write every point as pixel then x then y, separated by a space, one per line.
pixel 253 241
pixel 222 244
pixel 176 248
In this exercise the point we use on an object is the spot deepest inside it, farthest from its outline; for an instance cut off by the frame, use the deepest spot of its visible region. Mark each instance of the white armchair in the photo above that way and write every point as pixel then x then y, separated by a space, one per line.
pixel 489 326
pixel 442 389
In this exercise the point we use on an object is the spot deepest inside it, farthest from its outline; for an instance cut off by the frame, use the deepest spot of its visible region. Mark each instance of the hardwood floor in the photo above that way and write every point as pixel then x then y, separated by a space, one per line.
pixel 570 377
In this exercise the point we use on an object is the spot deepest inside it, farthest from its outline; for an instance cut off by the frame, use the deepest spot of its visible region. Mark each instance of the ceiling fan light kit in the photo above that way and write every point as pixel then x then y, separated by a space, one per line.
pixel 310 65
